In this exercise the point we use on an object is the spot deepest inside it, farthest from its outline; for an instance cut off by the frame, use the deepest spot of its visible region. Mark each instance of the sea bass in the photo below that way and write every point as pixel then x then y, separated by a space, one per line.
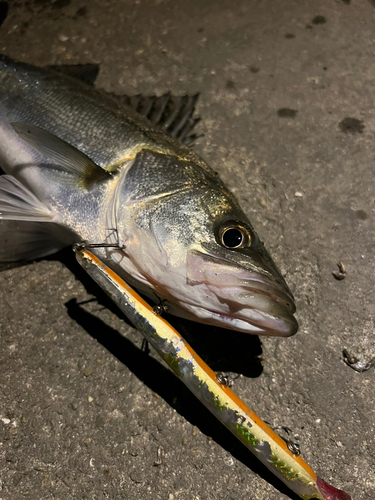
pixel 80 166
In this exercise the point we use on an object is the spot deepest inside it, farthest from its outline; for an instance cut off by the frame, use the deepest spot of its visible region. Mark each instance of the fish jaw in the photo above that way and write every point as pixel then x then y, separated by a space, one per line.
pixel 247 320
pixel 254 323
pixel 238 298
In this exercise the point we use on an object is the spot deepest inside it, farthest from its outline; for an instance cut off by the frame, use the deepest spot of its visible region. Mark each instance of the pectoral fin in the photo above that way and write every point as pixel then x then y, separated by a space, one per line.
pixel 68 159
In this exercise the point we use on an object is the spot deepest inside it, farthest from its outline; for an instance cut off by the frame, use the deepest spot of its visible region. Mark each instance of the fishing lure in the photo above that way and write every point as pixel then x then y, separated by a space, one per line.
pixel 216 395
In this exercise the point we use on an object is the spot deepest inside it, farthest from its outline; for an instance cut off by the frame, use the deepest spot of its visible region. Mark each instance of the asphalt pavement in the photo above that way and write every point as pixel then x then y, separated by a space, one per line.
pixel 287 112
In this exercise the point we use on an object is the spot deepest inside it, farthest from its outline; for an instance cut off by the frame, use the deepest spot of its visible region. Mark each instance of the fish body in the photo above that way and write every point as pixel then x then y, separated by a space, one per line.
pixel 79 166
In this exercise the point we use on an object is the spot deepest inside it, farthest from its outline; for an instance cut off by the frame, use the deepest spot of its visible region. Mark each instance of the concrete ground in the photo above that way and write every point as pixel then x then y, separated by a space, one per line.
pixel 287 107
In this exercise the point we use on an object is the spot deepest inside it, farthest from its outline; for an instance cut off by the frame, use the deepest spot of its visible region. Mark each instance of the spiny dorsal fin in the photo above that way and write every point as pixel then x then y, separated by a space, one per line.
pixel 83 172
pixel 175 115
pixel 86 73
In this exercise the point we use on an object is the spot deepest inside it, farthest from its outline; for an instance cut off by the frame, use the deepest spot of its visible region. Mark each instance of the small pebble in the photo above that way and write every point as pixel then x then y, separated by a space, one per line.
pixel 88 371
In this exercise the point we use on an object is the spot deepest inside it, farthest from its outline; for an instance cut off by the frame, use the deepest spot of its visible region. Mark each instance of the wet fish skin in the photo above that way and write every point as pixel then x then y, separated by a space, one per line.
pixel 77 113
pixel 161 203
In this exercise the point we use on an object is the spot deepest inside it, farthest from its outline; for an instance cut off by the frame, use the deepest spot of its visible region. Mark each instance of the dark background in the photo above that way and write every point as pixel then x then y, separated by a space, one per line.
pixel 287 106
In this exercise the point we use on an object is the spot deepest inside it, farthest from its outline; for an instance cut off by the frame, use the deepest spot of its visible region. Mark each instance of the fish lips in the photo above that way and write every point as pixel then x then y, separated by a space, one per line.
pixel 247 300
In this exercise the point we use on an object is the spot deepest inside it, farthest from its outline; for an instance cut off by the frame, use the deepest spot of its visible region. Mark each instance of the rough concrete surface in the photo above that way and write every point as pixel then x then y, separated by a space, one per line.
pixel 287 106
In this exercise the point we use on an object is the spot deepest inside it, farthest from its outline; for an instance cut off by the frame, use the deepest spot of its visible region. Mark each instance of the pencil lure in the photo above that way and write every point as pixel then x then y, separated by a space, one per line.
pixel 260 439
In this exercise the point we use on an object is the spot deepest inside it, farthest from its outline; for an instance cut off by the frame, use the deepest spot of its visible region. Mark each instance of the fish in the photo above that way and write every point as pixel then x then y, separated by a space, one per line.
pixel 79 165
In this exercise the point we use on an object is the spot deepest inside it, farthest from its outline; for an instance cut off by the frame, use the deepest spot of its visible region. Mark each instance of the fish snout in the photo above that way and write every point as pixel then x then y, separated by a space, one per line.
pixel 243 299
pixel 268 306
pixel 274 290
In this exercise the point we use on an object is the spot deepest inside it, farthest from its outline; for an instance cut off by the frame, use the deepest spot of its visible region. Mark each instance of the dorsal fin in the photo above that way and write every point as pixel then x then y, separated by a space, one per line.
pixel 86 73
pixel 173 114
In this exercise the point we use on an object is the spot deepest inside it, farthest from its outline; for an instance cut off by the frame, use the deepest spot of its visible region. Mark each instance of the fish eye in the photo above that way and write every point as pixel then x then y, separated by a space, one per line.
pixel 234 236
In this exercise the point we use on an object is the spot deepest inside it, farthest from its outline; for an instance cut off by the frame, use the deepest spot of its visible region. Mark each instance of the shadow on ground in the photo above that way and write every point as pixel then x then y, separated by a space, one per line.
pixel 161 381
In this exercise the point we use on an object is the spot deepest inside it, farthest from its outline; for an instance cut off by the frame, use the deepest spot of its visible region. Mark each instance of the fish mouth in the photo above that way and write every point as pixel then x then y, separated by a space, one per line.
pixel 250 310
pixel 240 299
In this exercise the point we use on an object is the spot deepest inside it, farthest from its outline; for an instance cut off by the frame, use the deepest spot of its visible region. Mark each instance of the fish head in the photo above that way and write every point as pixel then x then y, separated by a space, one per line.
pixel 251 294
pixel 191 243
